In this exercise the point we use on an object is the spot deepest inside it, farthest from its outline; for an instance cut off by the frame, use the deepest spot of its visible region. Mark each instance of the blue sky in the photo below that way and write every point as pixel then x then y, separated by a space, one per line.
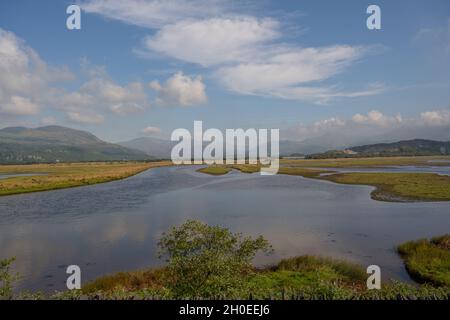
pixel 306 67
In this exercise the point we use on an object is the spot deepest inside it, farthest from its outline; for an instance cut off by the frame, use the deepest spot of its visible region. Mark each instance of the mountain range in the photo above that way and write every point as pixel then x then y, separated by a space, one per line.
pixel 59 144
pixel 415 147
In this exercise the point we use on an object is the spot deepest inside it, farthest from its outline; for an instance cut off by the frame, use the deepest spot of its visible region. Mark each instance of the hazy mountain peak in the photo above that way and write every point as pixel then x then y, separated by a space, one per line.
pixel 57 143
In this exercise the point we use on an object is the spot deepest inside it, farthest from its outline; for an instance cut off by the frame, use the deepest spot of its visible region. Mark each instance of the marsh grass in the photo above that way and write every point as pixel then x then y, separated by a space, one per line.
pixel 399 186
pixel 215 170
pixel 298 278
pixel 428 261
pixel 128 281
pixel 367 162
pixel 67 175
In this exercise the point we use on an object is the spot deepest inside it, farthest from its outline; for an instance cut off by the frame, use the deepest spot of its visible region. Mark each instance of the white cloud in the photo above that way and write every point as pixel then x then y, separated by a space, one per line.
pixel 151 130
pixel 287 72
pixel 19 106
pixel 155 13
pixel 27 85
pixel 247 57
pixel 85 118
pixel 24 78
pixel 247 54
pixel 375 117
pixel 213 41
pixel 118 99
pixel 436 118
pixel 180 90
pixel 101 94
pixel 373 125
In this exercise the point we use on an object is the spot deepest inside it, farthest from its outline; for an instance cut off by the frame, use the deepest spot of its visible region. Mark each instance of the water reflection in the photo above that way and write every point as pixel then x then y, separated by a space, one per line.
pixel 115 226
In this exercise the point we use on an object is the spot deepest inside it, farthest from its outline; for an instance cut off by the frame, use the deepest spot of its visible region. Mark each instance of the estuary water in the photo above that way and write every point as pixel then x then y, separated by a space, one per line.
pixel 115 226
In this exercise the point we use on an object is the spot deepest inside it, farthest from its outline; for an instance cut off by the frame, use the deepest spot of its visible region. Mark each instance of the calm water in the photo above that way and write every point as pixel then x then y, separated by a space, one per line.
pixel 115 226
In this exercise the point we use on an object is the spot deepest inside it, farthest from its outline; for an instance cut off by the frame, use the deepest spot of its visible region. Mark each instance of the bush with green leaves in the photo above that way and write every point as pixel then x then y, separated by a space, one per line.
pixel 6 279
pixel 207 261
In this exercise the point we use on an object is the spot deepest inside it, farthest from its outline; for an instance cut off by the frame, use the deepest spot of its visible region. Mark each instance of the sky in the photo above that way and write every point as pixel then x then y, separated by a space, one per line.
pixel 310 68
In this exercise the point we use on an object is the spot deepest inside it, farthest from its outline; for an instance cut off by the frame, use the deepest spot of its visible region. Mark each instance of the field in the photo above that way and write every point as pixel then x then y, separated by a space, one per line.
pixel 389 186
pixel 368 162
pixel 58 176
pixel 399 186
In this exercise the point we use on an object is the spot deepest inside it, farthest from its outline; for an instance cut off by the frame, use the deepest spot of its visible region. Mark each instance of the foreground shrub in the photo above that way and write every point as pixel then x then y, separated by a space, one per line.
pixel 6 279
pixel 207 261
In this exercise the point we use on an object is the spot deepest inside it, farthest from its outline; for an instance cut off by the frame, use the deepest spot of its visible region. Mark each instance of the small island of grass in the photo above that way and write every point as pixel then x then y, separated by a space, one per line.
pixel 393 186
pixel 389 186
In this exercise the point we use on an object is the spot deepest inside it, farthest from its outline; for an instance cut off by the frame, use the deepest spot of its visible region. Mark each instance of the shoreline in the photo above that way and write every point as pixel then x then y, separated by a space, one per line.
pixel 49 177
pixel 389 186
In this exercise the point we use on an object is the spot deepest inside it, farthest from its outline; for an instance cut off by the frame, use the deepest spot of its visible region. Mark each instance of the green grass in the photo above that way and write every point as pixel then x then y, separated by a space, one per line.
pixel 128 281
pixel 298 171
pixel 342 270
pixel 304 277
pixel 215 170
pixel 393 186
pixel 428 261
pixel 253 168
pixel 366 162
pixel 218 170
pixel 68 175
pixel 389 186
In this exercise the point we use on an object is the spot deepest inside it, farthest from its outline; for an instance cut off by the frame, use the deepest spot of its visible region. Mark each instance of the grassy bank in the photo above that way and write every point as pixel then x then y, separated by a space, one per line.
pixel 67 175
pixel 389 186
pixel 428 261
pixel 218 170
pixel 367 162
pixel 399 186
pixel 304 277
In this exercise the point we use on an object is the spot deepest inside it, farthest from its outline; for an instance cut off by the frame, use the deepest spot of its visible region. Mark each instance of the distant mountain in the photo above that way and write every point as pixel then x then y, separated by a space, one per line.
pixel 160 148
pixel 157 148
pixel 416 147
pixel 59 144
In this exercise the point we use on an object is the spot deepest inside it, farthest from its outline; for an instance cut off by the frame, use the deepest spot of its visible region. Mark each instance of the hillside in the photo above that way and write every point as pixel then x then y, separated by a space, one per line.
pixel 59 144
pixel 161 149
pixel 416 147
pixel 157 148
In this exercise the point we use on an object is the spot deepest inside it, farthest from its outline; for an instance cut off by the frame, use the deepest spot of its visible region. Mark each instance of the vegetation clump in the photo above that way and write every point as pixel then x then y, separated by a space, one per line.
pixel 207 261
pixel 428 261
pixel 393 186
pixel 6 279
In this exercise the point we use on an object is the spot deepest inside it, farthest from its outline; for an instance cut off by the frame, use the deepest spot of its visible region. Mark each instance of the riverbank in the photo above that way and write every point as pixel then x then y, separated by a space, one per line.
pixel 303 277
pixel 428 261
pixel 67 175
pixel 389 186
pixel 210 262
